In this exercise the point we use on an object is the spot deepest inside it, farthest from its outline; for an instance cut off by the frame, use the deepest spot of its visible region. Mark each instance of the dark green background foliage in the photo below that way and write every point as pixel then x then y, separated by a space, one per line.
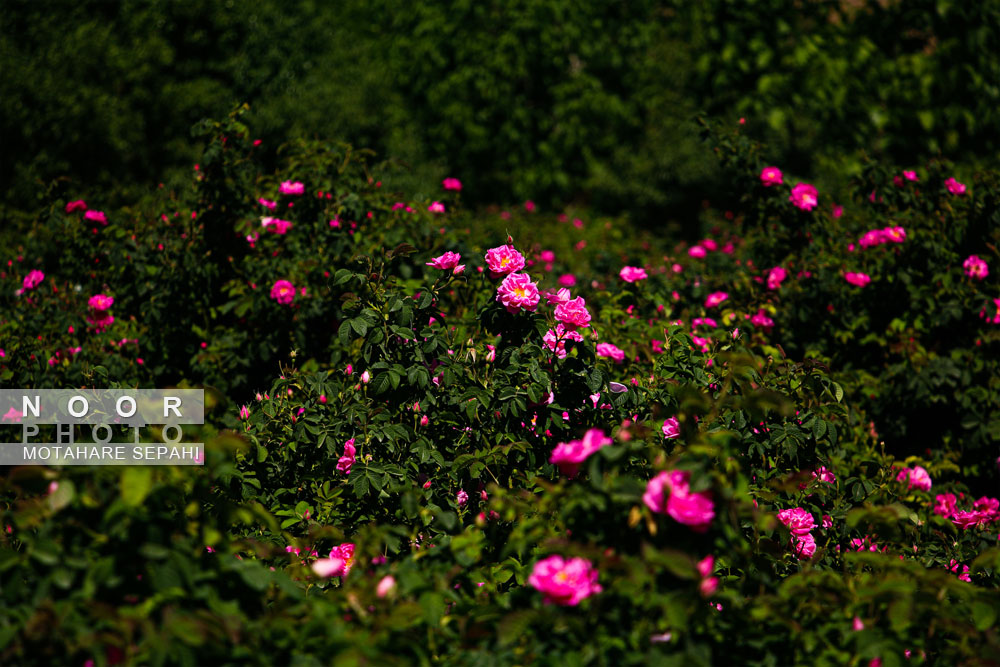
pixel 540 99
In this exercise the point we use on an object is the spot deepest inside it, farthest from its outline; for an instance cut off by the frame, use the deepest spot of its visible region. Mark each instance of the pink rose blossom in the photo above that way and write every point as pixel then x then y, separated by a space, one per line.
pixel 329 567
pixel 564 582
pixel 761 319
pixel 569 455
pixel 96 216
pixel 975 267
pixel 267 203
pixel 775 276
pixel 345 462
pixel 77 205
pixel 945 504
pixel 954 187
pixel 555 341
pixel 292 188
pixel 449 260
pixel 804 546
pixel 503 260
pixel 275 225
pixel 804 197
pixel 715 298
pixel 610 351
pixel 797 520
pixel 436 207
pixel 631 274
pixel 558 297
pixel 451 184
pixel 33 279
pixel 283 292
pixel 385 586
pixel 671 428
pixel 517 292
pixel 692 509
pixel 917 478
pixel 697 251
pixel 824 475
pixel 771 176
pixel 573 313
pixel 857 279
pixel 567 280
pixel 461 497
pixel 100 302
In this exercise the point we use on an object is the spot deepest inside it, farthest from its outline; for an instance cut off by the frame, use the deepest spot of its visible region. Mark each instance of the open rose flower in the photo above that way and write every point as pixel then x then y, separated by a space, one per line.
pixel 517 292
pixel 804 197
pixel 564 582
pixel 975 267
pixel 857 279
pixel 573 313
pixel 449 260
pixel 33 279
pixel 292 188
pixel 798 521
pixel 610 351
pixel 631 274
pixel 436 207
pixel 451 184
pixel 916 478
pixel 954 187
pixel 283 292
pixel 504 260
pixel 556 340
pixel 345 462
pixel 804 546
pixel 569 455
pixel 669 493
pixel 96 216
pixel 561 295
pixel 275 225
pixel 715 298
pixel 775 277
pixel 77 205
pixel 770 176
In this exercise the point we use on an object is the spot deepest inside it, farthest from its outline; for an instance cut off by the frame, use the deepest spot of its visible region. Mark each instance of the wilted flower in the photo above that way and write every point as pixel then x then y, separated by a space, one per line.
pixel 564 582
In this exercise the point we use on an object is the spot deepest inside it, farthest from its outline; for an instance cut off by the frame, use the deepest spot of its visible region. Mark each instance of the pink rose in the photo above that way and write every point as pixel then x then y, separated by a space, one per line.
pixel 275 225
pixel 564 582
pixel 804 197
pixel 436 207
pixel 517 292
pixel 775 276
pixel 553 340
pixel 917 478
pixel 771 176
pixel 715 298
pixel 573 313
pixel 100 302
pixel 975 267
pixel 910 176
pixel 503 260
pixel 631 274
pixel 610 351
pixel 451 184
pixel 692 509
pixel 96 216
pixel 569 455
pixel 857 279
pixel 78 205
pixel 558 297
pixel 945 504
pixel 292 188
pixel 267 203
pixel 804 546
pixel 385 586
pixel 697 251
pixel 33 279
pixel 954 187
pixel 797 520
pixel 567 280
pixel 671 428
pixel 449 260
pixel 283 292
pixel 345 462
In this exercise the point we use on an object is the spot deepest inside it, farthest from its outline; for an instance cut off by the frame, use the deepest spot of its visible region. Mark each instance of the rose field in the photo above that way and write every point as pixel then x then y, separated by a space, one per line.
pixel 726 393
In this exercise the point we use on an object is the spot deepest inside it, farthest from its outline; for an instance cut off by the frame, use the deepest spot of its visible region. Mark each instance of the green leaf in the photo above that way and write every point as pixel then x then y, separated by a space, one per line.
pixel 136 482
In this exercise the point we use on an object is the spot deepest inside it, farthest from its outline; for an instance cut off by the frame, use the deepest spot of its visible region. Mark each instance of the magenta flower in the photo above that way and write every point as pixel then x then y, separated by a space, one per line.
pixel 275 225
pixel 798 521
pixel 345 462
pixel 33 279
pixel 973 265
pixel 761 319
pixel 894 234
pixel 96 216
pixel 804 196
pixel 385 586
pixel 775 276
pixel 910 176
pixel 100 302
pixel 451 184
pixel 503 260
pixel 436 207
pixel 554 340
pixel 461 497
pixel 611 352
pixel 823 474
pixel 954 187
pixel 569 455
pixel 697 251
pixel 669 493
pixel 857 279
pixel 771 176
pixel 804 546
pixel 283 292
pixel 567 280
pixel 292 188
pixel 267 203
pixel 631 274
pixel 558 297
pixel 449 260
pixel 564 582
pixel 517 292
pixel 77 205
pixel 671 428
pixel 573 313
pixel 916 477
pixel 715 298
pixel 945 505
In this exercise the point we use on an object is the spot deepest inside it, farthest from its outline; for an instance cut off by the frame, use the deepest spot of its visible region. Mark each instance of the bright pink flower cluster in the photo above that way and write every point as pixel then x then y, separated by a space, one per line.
pixel 573 313
pixel 564 582
pixel 33 279
pixel 96 216
pixel 917 478
pixel 631 274
pixel 283 291
pixel 451 184
pixel 292 188
pixel 610 351
pixel 569 455
pixel 98 316
pixel 761 319
pixel 449 260
pixel 669 493
pixel 775 277
pixel 984 511
pixel 275 225
pixel 517 292
pixel 804 197
pixel 345 462
pixel 715 298
pixel 799 523
pixel 503 260
pixel 100 302
pixel 953 566
pixel 954 187
pixel 975 267
pixel 874 237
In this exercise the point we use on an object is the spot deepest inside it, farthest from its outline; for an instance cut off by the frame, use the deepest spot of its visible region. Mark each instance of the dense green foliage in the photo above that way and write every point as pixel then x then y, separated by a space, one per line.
pixel 454 406
pixel 533 99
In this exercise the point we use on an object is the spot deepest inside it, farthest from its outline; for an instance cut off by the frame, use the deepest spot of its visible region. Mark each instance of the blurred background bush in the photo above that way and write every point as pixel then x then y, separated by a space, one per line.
pixel 550 100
